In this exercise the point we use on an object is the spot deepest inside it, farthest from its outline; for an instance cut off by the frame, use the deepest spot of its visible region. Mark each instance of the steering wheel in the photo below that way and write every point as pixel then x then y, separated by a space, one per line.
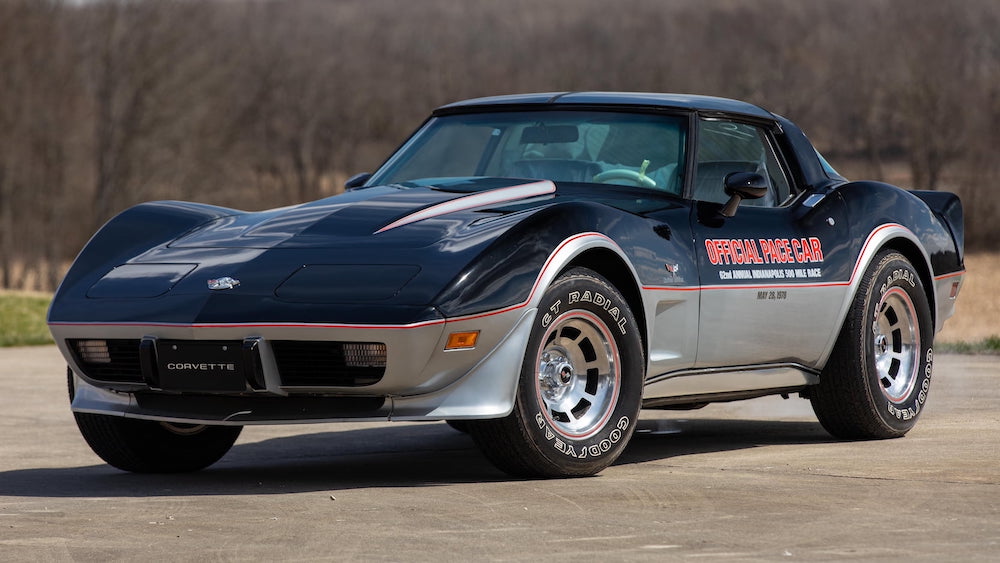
pixel 640 179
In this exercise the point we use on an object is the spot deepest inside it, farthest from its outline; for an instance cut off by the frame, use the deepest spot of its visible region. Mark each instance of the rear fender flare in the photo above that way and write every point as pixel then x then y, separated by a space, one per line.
pixel 892 235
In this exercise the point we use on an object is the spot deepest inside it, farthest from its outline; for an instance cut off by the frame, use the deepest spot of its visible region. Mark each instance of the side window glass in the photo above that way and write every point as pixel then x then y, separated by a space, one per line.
pixel 725 147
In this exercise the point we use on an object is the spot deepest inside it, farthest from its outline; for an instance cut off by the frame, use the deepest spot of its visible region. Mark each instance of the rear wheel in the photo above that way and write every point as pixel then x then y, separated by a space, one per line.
pixel 876 382
pixel 145 446
pixel 580 387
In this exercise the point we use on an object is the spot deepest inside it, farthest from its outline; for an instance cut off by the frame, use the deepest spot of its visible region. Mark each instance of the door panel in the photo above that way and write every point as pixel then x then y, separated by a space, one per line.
pixel 769 291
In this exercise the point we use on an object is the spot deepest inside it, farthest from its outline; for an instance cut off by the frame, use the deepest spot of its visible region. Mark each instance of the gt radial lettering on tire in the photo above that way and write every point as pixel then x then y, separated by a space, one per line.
pixel 580 387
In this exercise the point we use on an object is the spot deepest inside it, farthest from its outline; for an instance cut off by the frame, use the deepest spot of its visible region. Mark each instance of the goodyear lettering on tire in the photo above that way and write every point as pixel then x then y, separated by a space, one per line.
pixel 593 450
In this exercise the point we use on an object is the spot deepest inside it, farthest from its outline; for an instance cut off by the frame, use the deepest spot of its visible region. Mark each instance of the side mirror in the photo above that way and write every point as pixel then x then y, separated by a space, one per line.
pixel 740 186
pixel 357 180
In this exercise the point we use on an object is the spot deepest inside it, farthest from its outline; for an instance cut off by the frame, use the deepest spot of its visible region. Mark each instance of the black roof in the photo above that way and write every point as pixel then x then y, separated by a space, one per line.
pixel 810 168
pixel 680 101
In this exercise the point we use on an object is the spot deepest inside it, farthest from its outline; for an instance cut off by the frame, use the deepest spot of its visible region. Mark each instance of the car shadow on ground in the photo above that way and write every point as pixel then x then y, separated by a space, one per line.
pixel 392 456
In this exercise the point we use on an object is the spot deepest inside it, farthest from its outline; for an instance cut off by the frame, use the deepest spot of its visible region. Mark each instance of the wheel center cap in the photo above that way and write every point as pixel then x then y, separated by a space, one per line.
pixel 555 374
pixel 565 373
pixel 881 344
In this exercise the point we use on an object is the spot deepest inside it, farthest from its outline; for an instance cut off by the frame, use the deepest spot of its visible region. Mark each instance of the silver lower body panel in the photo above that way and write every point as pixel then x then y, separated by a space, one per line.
pixel 422 380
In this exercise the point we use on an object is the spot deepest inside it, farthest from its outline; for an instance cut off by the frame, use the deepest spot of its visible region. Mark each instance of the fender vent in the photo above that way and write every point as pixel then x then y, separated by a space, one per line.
pixel 329 364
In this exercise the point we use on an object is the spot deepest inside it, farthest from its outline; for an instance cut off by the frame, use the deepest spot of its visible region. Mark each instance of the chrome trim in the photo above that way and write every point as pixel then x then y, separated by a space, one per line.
pixel 813 200
pixel 225 282
pixel 729 379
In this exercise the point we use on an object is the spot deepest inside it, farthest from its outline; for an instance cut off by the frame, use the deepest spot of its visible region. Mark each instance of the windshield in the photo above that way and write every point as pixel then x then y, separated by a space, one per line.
pixel 630 149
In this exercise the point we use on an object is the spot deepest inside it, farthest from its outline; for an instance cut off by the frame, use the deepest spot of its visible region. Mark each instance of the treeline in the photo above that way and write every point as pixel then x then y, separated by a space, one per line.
pixel 261 103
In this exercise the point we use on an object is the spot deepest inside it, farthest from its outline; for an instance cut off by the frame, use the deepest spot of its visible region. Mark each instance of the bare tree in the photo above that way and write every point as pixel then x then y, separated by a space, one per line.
pixel 36 145
pixel 261 103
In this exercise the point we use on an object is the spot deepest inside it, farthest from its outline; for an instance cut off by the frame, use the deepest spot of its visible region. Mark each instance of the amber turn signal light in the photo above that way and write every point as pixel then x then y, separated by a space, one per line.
pixel 462 340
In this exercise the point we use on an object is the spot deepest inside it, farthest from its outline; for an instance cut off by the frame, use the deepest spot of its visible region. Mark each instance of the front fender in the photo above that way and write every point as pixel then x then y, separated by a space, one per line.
pixel 119 240
pixel 521 263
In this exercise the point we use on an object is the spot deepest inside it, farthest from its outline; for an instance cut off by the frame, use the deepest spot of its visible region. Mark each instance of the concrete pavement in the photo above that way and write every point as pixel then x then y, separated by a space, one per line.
pixel 737 482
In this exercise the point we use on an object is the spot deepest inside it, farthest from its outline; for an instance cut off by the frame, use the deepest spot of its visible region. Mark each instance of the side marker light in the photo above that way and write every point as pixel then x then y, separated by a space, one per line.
pixel 462 340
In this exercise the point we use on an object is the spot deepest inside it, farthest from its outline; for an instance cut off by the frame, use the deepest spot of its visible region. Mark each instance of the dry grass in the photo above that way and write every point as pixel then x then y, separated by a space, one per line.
pixel 977 311
pixel 22 318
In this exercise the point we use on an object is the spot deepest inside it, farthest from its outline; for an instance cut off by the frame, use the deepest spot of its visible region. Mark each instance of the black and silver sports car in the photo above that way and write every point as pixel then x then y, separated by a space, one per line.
pixel 534 269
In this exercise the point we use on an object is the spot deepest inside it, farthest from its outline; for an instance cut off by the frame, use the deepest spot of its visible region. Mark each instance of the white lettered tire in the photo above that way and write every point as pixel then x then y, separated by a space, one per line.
pixel 876 382
pixel 580 388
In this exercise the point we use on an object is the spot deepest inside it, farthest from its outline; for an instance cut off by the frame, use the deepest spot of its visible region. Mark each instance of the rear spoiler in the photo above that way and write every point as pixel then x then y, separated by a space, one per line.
pixel 948 208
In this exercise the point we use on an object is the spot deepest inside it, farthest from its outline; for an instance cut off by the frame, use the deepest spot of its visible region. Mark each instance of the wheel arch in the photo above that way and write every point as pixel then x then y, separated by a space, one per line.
pixel 616 270
pixel 916 257
pixel 892 236
pixel 853 399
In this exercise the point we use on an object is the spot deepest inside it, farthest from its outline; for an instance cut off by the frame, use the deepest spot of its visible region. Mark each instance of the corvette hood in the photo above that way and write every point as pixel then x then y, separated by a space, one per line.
pixel 402 215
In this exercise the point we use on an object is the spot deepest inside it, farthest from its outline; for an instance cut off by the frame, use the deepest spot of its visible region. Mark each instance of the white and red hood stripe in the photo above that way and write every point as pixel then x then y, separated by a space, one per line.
pixel 472 201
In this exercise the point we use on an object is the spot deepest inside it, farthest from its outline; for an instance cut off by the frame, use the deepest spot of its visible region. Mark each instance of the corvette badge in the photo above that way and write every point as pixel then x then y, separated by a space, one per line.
pixel 223 283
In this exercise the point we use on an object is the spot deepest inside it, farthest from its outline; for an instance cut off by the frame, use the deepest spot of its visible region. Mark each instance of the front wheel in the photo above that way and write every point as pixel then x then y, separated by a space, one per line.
pixel 580 388
pixel 146 446
pixel 876 382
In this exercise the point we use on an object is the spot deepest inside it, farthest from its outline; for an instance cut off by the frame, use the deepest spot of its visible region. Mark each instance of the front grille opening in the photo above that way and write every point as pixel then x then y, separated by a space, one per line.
pixel 364 355
pixel 110 360
pixel 93 351
pixel 329 364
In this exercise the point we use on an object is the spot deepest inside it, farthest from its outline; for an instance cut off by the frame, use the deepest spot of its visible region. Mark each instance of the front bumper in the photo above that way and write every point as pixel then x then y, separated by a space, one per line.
pixel 421 381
